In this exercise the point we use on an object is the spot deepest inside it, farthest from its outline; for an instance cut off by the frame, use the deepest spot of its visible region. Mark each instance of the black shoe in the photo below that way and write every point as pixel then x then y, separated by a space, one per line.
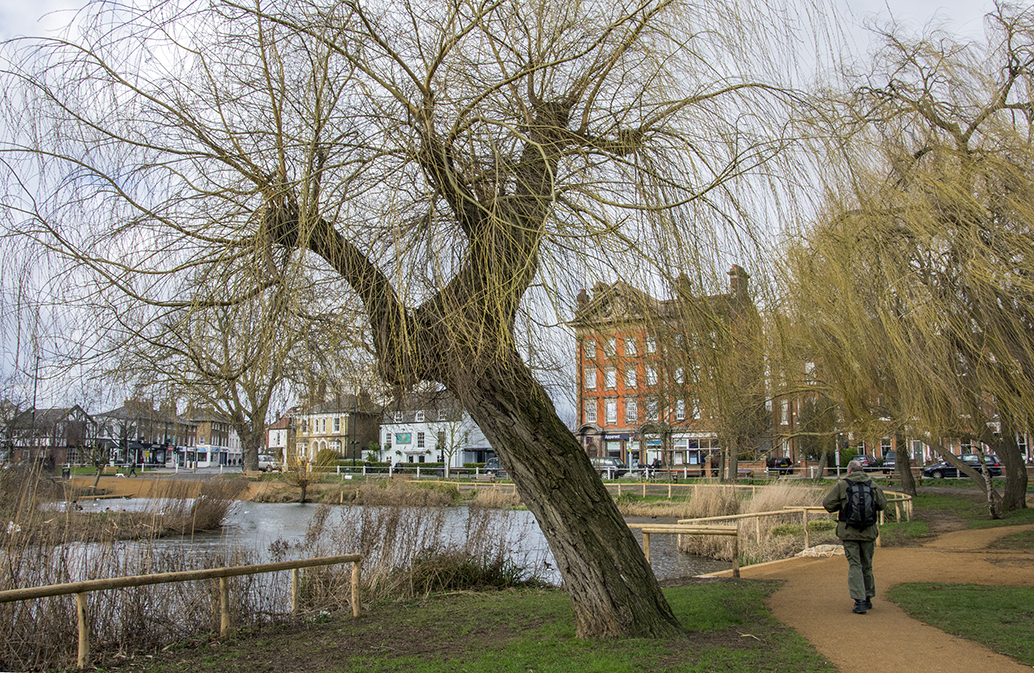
pixel 859 607
pixel 868 604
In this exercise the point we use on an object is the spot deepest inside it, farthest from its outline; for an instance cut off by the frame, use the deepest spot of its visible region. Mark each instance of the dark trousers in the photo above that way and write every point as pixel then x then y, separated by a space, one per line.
pixel 859 568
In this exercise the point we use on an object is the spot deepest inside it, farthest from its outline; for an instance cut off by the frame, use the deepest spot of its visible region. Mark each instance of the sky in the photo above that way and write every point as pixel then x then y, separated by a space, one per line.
pixel 37 17
pixel 47 17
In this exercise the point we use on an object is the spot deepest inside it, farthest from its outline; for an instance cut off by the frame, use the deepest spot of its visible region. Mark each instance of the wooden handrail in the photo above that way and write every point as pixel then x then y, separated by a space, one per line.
pixel 80 589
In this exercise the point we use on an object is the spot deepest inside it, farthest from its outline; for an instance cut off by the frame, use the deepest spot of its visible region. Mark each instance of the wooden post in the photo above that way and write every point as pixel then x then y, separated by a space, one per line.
pixel 757 528
pixel 84 630
pixel 735 555
pixel 295 584
pixel 225 627
pixel 897 512
pixel 355 587
pixel 619 489
pixel 645 479
pixel 807 536
pixel 646 547
pixel 669 487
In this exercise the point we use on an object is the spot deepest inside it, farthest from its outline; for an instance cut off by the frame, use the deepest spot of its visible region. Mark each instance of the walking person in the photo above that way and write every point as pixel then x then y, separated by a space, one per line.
pixel 857 499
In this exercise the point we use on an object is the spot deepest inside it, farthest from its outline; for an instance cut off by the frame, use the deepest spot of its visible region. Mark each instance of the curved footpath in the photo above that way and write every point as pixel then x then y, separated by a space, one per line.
pixel 814 601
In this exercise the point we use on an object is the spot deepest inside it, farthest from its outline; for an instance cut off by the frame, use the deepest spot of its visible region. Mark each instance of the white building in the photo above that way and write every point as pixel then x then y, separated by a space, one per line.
pixel 431 428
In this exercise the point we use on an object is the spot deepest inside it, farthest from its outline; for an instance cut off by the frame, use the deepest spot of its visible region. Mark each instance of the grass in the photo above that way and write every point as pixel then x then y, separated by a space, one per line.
pixel 1000 618
pixel 511 631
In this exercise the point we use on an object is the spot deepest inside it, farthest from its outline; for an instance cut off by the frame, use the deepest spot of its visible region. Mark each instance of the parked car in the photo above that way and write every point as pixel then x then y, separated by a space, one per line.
pixel 868 462
pixel 267 463
pixel 612 468
pixel 493 466
pixel 890 462
pixel 781 465
pixel 943 469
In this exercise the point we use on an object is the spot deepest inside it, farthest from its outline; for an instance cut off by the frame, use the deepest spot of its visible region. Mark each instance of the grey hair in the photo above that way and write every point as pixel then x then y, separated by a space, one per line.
pixel 855 466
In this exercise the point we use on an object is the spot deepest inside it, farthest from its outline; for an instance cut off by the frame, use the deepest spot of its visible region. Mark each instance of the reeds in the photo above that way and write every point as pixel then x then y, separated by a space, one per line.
pixel 42 543
pixel 408 551
pixel 757 542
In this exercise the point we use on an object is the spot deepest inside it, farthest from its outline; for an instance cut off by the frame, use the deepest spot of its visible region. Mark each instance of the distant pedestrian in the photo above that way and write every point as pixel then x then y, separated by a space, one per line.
pixel 857 500
pixel 132 469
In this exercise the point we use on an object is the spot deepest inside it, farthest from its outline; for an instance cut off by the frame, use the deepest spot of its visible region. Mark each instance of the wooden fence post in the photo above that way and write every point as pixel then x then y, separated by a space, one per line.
pixel 84 629
pixel 225 626
pixel 295 585
pixel 355 587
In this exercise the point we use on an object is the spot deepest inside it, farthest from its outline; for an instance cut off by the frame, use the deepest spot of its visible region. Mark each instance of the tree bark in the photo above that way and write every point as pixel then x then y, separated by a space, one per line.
pixel 612 587
pixel 904 467
pixel 1008 451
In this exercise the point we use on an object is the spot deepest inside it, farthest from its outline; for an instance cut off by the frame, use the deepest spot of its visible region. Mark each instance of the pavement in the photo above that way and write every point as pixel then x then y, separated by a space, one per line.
pixel 814 601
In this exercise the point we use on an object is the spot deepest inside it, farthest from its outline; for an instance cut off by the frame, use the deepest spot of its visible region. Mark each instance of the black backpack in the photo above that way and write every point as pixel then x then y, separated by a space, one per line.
pixel 860 509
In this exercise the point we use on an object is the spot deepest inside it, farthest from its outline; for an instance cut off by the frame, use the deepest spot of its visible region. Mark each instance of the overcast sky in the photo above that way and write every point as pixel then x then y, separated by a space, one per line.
pixel 27 17
pixel 47 17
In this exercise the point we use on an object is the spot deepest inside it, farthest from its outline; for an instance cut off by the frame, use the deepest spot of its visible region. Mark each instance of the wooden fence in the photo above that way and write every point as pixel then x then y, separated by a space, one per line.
pixel 81 589
pixel 684 529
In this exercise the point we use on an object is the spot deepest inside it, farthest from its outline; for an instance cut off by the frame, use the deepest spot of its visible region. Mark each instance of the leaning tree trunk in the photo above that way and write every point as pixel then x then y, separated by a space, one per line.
pixel 612 587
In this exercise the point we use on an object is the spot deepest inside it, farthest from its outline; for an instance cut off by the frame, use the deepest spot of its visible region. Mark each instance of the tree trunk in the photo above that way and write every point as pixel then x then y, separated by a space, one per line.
pixel 612 588
pixel 733 450
pixel 1008 451
pixel 904 467
pixel 823 461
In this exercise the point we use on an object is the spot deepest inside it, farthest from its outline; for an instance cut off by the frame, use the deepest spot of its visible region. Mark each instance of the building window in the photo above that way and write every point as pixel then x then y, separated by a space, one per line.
pixel 612 412
pixel 420 417
pixel 651 345
pixel 612 346
pixel 590 411
pixel 611 377
pixel 680 376
pixel 442 415
pixel 629 345
pixel 419 440
pixel 398 416
pixel 590 378
pixel 680 410
pixel 651 410
pixel 589 349
pixel 337 424
pixel 305 428
pixel 631 412
pixel 784 412
pixel 630 379
pixel 651 375
pixel 323 425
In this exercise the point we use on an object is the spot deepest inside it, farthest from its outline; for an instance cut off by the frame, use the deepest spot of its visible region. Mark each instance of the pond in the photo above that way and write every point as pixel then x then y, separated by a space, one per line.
pixel 256 526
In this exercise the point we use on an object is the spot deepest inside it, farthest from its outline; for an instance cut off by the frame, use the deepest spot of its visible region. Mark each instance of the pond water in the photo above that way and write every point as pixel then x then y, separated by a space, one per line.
pixel 255 526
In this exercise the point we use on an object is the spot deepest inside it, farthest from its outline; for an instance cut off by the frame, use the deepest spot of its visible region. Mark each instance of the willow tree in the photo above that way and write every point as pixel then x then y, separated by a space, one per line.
pixel 437 159
pixel 931 215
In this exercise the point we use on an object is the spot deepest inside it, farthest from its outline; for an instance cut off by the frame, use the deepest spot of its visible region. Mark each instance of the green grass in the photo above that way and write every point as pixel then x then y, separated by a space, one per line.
pixel 512 631
pixel 1017 541
pixel 1002 618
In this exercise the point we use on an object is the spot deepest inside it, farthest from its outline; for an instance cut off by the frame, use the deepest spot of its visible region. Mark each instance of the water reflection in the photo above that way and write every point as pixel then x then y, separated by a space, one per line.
pixel 255 526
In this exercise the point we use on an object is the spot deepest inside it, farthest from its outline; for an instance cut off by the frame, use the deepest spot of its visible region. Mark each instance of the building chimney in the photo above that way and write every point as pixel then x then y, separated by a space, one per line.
pixel 738 281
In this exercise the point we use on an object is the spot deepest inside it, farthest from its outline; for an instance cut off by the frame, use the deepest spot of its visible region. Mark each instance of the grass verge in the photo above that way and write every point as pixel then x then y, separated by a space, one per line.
pixel 507 631
pixel 997 617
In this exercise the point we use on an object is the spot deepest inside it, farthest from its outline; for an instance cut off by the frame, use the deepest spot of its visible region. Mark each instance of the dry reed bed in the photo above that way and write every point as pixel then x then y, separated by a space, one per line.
pixel 41 544
pixel 760 539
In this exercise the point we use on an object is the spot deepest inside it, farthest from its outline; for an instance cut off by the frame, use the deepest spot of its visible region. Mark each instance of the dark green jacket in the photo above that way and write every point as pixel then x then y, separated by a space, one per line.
pixel 837 498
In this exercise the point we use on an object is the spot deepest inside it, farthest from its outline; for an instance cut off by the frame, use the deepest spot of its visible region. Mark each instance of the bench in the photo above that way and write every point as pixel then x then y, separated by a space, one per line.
pixel 484 477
